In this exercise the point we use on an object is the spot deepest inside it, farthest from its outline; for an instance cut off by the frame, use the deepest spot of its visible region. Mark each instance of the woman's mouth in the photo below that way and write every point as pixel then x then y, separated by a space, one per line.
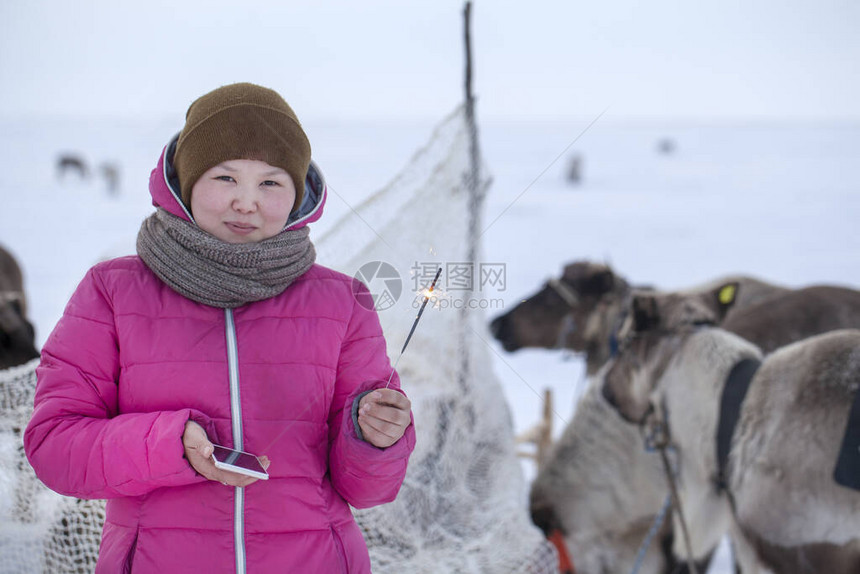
pixel 240 228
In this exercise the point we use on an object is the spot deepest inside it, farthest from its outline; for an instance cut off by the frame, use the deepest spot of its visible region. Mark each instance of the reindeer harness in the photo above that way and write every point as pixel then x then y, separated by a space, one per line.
pixel 731 401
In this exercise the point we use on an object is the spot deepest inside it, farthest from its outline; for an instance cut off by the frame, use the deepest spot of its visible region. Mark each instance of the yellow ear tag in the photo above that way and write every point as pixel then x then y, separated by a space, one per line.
pixel 727 294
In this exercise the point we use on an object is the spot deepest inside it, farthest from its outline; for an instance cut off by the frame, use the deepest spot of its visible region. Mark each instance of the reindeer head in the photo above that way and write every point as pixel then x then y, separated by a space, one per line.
pixel 16 333
pixel 653 331
pixel 568 312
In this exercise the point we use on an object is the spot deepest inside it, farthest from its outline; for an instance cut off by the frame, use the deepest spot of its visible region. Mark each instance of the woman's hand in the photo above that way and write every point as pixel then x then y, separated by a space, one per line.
pixel 198 451
pixel 383 416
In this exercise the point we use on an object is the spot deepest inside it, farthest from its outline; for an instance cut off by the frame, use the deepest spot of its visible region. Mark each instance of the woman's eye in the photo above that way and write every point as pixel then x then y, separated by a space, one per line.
pixel 269 182
pixel 224 178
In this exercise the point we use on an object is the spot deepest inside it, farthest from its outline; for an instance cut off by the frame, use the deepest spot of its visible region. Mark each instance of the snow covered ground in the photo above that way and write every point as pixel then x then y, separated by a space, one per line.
pixel 780 201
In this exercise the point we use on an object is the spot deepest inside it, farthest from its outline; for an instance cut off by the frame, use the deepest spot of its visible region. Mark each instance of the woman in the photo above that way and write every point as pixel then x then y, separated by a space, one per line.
pixel 223 330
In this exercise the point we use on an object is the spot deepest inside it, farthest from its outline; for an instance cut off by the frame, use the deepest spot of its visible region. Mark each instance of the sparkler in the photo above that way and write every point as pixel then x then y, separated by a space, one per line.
pixel 427 293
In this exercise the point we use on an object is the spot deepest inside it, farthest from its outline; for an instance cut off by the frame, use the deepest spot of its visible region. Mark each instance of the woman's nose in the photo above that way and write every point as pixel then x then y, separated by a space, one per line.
pixel 244 200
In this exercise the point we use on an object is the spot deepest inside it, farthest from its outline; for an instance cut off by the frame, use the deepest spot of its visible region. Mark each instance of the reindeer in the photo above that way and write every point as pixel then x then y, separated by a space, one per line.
pixel 768 482
pixel 601 491
pixel 110 172
pixel 17 335
pixel 574 169
pixel 581 311
pixel 70 162
pixel 577 490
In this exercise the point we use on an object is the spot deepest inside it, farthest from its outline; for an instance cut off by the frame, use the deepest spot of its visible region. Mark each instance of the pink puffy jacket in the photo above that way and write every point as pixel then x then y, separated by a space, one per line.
pixel 131 361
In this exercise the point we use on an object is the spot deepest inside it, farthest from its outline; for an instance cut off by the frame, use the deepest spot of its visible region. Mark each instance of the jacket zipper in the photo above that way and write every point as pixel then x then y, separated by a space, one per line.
pixel 236 421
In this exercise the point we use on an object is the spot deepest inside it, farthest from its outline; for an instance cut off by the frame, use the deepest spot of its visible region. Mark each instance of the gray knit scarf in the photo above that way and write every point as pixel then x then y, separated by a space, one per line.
pixel 210 271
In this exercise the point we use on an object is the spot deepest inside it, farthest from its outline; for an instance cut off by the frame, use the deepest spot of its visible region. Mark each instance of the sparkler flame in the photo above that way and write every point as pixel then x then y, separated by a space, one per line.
pixel 428 292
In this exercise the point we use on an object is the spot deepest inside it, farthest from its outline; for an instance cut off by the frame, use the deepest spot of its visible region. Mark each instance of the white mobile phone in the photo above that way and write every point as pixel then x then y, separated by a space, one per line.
pixel 238 461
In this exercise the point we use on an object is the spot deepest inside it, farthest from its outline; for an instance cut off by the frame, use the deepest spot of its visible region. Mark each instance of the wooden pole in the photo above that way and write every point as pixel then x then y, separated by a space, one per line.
pixel 540 434
pixel 467 16
pixel 545 439
pixel 473 182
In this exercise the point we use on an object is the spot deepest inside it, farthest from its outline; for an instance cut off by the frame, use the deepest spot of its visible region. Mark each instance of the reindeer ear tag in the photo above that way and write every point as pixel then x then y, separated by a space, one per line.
pixel 727 293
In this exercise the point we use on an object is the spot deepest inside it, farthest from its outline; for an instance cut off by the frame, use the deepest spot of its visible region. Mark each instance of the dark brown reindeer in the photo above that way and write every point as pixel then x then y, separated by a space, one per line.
pixel 17 336
pixel 582 309
pixel 770 483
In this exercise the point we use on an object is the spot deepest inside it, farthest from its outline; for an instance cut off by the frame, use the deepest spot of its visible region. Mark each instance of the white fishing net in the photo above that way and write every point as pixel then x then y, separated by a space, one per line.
pixel 40 531
pixel 462 507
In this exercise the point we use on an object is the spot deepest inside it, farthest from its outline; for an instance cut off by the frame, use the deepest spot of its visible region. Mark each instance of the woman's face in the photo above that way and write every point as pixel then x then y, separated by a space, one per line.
pixel 243 200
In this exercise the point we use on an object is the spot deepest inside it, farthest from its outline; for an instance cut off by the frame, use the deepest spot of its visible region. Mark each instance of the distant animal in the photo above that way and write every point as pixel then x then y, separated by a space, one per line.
pixel 110 172
pixel 17 335
pixel 72 163
pixel 771 487
pixel 581 311
pixel 574 169
pixel 666 146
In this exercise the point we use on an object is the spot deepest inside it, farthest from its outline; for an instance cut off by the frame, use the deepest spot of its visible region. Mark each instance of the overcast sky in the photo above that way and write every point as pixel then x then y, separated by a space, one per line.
pixel 768 59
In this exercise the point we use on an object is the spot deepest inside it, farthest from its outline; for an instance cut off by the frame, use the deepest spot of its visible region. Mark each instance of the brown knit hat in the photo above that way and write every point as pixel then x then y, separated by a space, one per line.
pixel 241 121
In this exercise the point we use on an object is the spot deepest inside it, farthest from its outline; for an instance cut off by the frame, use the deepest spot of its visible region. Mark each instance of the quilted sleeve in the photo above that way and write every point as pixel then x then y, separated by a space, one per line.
pixel 362 473
pixel 76 441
